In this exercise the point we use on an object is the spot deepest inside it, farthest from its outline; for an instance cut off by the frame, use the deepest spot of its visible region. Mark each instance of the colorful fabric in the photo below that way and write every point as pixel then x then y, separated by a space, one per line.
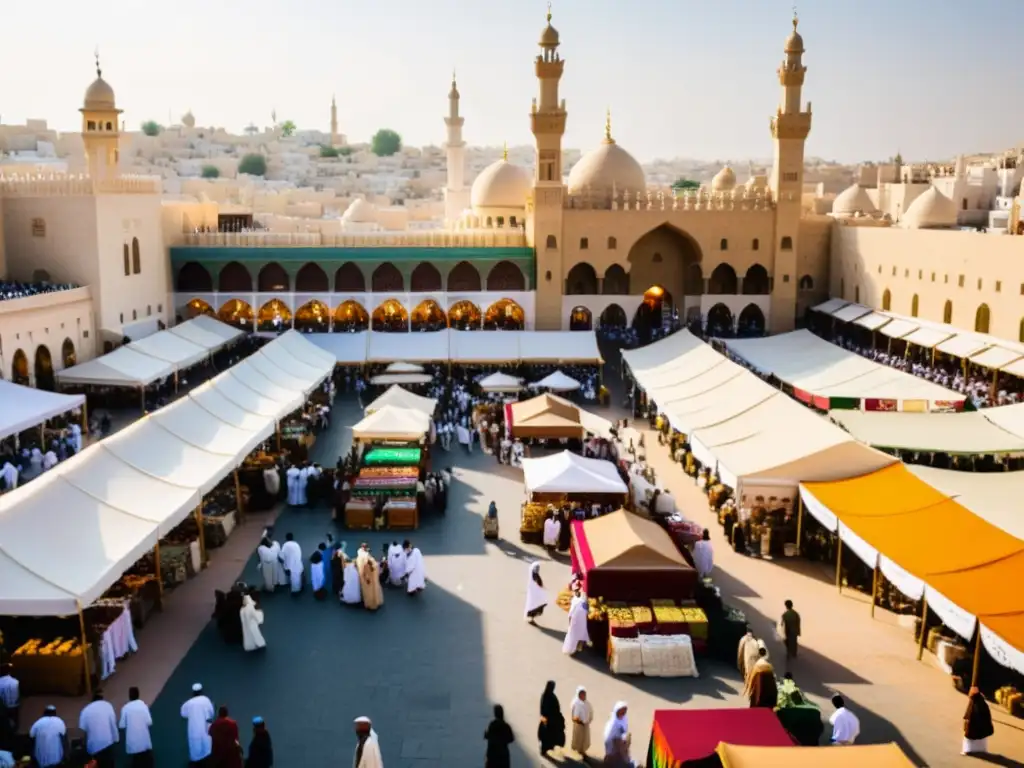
pixel 366 483
pixel 392 457
pixel 679 735
pixel 802 395
pixel 821 402
pixel 947 406
pixel 915 406
pixel 845 403
pixel 878 404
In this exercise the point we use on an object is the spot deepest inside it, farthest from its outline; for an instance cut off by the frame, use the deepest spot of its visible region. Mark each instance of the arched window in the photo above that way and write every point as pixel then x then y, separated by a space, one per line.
pixel 127 261
pixel 915 304
pixel 947 312
pixel 755 245
pixel 787 243
pixel 612 243
pixel 1020 333
pixel 501 221
pixel 856 294
pixel 842 288
pixel 490 222
pixel 552 242
pixel 981 319
pixel 806 283
pixel 136 257
pixel 723 244
pixel 886 300
pixel 584 243
pixel 512 221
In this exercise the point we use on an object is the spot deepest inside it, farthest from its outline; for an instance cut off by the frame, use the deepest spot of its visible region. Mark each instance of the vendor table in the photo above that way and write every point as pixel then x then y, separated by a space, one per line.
pixel 117 642
pixel 359 514
pixel 54 675
pixel 402 513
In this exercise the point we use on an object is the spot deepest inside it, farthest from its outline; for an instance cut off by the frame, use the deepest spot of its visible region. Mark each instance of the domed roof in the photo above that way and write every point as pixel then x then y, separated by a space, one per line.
pixel 500 185
pixel 605 168
pixel 188 119
pixel 931 210
pixel 794 43
pixel 549 37
pixel 360 211
pixel 724 180
pixel 99 95
pixel 851 201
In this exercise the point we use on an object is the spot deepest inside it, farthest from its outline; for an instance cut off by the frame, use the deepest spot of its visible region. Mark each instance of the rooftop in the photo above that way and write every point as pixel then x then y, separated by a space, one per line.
pixel 12 289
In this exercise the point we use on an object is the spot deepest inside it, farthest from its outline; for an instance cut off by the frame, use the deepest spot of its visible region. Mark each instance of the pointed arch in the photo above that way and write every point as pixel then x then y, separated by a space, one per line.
pixel 351 316
pixel 663 256
pixel 693 280
pixel 68 356
pixel 886 300
pixel 136 257
pixel 234 278
pixel 465 316
pixel 581 280
pixel 915 305
pixel 947 312
pixel 274 316
pixel 982 319
pixel 506 276
pixel 349 278
pixel 390 317
pixel 428 316
pixel 237 313
pixel 464 278
pixel 723 281
pixel 751 321
pixel 504 315
pixel 616 281
pixel 311 278
pixel 198 307
pixel 273 279
pixel 425 279
pixel 313 317
pixel 44 369
pixel 387 279
pixel 581 319
pixel 806 283
pixel 193 277
pixel 613 316
pixel 720 321
pixel 19 368
pixel 756 281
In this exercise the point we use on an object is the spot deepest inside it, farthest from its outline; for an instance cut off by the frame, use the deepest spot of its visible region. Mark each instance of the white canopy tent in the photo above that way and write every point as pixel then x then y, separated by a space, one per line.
pixel 558 347
pixel 557 382
pixel 829 306
pixel 401 367
pixel 124 367
pixel 483 346
pixel 566 472
pixel 422 347
pixel 310 372
pixel 665 353
pixel 956 433
pixel 386 379
pixel 1007 417
pixel 392 423
pixel 206 332
pixel 500 382
pixel 851 312
pixel 172 349
pixel 403 398
pixel 344 348
pixel 25 407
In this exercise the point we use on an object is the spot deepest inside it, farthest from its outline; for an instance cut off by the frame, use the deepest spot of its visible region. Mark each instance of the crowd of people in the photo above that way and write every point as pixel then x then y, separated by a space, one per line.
pixel 15 289
pixel 60 439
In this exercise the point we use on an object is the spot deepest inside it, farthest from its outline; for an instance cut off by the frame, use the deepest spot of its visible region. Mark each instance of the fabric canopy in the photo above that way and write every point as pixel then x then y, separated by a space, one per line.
pixel 1007 417
pixel 929 545
pixel 558 346
pixel 829 306
pixel 207 332
pixel 171 348
pixel 625 541
pixel 566 472
pixel 403 398
pixel 992 496
pixel 483 346
pixel 417 347
pixel 24 407
pixel 544 416
pixel 680 735
pixel 124 367
pixel 958 433
pixel 997 358
pixel 500 382
pixel 851 312
pixel 345 348
pixel 401 378
pixel 558 382
pixel 856 756
pixel 404 368
pixel 393 423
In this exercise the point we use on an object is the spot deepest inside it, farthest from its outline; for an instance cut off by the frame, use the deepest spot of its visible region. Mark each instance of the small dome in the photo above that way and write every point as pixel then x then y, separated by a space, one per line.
pixel 188 120
pixel 851 201
pixel 794 43
pixel 931 210
pixel 360 211
pixel 757 181
pixel 500 185
pixel 549 37
pixel 607 168
pixel 99 95
pixel 724 180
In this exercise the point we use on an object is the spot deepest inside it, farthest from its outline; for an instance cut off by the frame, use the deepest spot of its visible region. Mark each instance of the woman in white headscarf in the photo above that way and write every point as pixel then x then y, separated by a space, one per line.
pixel 582 715
pixel 351 590
pixel 577 635
pixel 616 738
pixel 536 597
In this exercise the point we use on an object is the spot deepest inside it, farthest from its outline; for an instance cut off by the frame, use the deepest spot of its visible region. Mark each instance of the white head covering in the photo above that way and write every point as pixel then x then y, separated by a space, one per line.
pixel 197 688
pixel 534 567
pixel 616 720
pixel 362 719
pixel 580 689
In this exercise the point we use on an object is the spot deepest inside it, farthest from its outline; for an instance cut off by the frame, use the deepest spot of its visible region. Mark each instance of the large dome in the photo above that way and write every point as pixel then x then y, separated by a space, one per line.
pixel 500 185
pixel 724 180
pixel 606 168
pixel 851 201
pixel 99 95
pixel 931 210
pixel 360 211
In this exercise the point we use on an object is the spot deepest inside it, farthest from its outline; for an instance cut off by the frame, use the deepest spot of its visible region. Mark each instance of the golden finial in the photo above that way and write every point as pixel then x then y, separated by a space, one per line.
pixel 796 18
pixel 453 75
pixel 549 11
pixel 96 54
pixel 504 152
pixel 608 127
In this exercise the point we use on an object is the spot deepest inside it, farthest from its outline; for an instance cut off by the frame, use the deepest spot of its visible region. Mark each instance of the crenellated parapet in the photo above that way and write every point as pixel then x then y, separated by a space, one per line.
pixel 64 185
pixel 738 199
pixel 478 238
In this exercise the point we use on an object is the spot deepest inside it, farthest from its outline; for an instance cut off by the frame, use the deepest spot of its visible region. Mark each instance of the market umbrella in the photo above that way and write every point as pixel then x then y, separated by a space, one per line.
pixel 500 382
pixel 557 382
pixel 404 368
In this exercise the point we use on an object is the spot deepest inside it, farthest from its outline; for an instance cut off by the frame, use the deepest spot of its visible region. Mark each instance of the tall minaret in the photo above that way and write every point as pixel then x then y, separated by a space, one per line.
pixel 789 127
pixel 334 122
pixel 456 196
pixel 101 124
pixel 544 214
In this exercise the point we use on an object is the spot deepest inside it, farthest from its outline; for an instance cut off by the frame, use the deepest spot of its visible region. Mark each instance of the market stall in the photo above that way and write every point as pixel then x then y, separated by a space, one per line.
pixel 557 382
pixel 398 397
pixel 393 423
pixel 552 417
pixel 24 407
pixel 500 382
pixel 890 755
pixel 401 367
pixel 682 735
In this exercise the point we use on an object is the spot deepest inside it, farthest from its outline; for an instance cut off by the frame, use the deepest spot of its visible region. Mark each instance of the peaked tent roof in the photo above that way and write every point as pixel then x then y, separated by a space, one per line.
pixel 392 423
pixel 557 381
pixel 403 398
pixel 627 541
pixel 500 382
pixel 855 756
pixel 566 472
pixel 24 407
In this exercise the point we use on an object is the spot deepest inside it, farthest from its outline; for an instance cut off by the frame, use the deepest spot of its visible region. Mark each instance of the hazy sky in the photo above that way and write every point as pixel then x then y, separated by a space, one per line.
pixel 682 77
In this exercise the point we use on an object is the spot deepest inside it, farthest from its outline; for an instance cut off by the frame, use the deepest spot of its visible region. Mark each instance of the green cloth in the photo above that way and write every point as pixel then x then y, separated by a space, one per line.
pixel 392 457
pixel 803 720
pixel 845 403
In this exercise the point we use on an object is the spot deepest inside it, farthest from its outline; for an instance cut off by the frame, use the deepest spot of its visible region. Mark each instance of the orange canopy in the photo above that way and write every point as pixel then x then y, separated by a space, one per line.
pixel 874 755
pixel 976 565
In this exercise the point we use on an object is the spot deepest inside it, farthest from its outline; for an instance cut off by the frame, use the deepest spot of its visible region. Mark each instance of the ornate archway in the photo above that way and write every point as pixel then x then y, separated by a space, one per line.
pixel 613 316
pixel 581 280
pixel 581 319
pixel 719 321
pixel 349 279
pixel 19 368
pixel 428 316
pixel 387 279
pixel 751 321
pixel 237 313
pixel 654 310
pixel 616 281
pixel 505 276
pixel 44 369
pixel 234 278
pixel 198 307
pixel 425 279
pixel 504 315
pixel 663 257
pixel 723 281
pixel 351 316
pixel 464 278
pixel 391 317
pixel 313 317
pixel 756 282
pixel 465 316
pixel 311 279
pixel 273 279
pixel 68 356
pixel 693 279
pixel 193 277
pixel 274 316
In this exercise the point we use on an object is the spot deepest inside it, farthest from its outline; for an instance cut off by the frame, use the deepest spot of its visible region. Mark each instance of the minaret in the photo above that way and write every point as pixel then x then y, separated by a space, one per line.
pixel 544 220
pixel 456 197
pixel 334 122
pixel 789 127
pixel 101 133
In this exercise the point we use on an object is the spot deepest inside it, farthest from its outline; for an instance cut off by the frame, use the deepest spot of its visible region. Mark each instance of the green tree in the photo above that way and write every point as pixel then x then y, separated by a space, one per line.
pixel 385 142
pixel 151 128
pixel 683 185
pixel 253 164
pixel 210 172
pixel 344 151
pixel 287 128
pixel 328 151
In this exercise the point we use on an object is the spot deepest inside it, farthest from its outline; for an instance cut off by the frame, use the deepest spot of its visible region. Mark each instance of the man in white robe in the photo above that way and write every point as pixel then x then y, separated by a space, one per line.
pixel 414 568
pixel 49 460
pixel 50 736
pixel 352 589
pixel 577 635
pixel 302 483
pixel 76 437
pixel 704 556
pixel 9 474
pixel 396 564
pixel 252 618
pixel 291 555
pixel 136 721
pixel 99 723
pixel 292 480
pixel 272 481
pixel 268 552
pixel 552 528
pixel 367 749
pixel 536 597
pixel 198 712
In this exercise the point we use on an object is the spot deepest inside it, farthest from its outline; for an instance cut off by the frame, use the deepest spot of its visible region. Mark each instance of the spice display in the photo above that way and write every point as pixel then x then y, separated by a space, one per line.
pixel 57 647
pixel 392 457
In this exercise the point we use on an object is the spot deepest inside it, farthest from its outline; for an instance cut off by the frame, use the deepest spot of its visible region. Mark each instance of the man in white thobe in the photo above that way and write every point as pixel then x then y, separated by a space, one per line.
pixel 49 735
pixel 352 588
pixel 396 564
pixel 10 693
pixel 136 721
pixel 99 723
pixel 272 481
pixel 415 569
pixel 845 724
pixel 49 460
pixel 268 564
pixel 292 480
pixel 552 528
pixel 704 556
pixel 367 749
pixel 76 437
pixel 291 554
pixel 577 635
pixel 198 712
pixel 302 481
pixel 251 618
pixel 9 474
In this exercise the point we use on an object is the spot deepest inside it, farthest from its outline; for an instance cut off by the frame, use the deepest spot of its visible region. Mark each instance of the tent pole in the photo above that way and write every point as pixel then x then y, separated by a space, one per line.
pixel 277 428
pixel 142 398
pixel 159 575
pixel 924 628
pixel 799 520
pixel 202 535
pixel 839 564
pixel 85 650
pixel 238 497
pixel 85 418
pixel 874 590
pixel 995 385
pixel 175 381
pixel 975 668
pixel 42 437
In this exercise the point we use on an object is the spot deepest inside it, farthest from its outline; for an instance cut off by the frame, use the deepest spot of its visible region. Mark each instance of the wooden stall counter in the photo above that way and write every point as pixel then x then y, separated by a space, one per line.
pixel 54 671
pixel 359 515
pixel 402 514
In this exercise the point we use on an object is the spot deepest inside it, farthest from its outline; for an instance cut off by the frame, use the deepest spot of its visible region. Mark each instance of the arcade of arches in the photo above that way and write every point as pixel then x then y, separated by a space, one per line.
pixel 667 257
pixel 68 355
pixel 273 316
pixel 465 316
pixel 391 317
pixel 504 315
pixel 428 316
pixel 313 317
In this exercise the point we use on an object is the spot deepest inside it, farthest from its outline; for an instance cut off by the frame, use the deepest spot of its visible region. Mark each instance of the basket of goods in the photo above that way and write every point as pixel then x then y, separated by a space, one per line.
pixel 373 481
pixel 625 656
pixel 643 618
pixel 1010 699
pixel 531 526
pixel 696 622
pixel 50 666
pixel 669 618
pixel 620 621
pixel 597 610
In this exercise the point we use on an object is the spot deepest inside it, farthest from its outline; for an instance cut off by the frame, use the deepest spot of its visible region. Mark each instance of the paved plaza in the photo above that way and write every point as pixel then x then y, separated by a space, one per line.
pixel 428 669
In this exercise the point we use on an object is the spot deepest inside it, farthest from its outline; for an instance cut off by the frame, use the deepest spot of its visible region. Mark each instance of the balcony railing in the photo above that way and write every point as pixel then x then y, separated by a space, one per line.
pixel 417 239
